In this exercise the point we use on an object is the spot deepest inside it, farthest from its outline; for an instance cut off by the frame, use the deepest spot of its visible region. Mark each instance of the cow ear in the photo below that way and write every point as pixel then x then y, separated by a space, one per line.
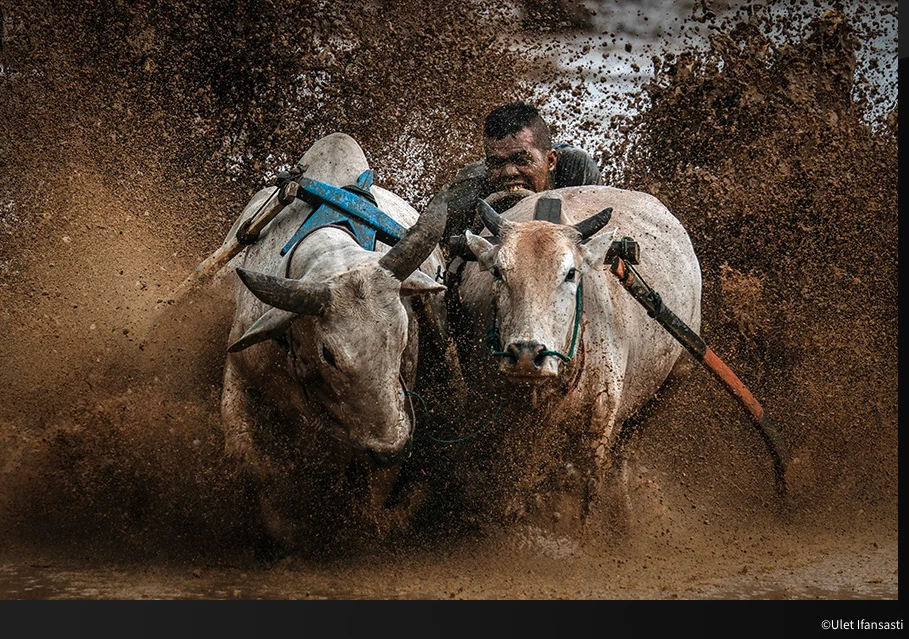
pixel 484 250
pixel 594 251
pixel 272 324
pixel 419 283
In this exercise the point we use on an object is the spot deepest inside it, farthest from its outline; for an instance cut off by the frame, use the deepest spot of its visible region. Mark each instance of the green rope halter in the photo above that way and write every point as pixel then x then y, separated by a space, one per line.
pixel 495 345
pixel 439 440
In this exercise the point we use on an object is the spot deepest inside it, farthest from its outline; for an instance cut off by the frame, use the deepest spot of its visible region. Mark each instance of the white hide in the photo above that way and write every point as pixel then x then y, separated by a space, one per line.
pixel 350 360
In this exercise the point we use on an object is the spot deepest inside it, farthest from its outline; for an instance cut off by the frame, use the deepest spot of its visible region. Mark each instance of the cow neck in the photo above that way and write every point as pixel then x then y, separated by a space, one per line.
pixel 293 249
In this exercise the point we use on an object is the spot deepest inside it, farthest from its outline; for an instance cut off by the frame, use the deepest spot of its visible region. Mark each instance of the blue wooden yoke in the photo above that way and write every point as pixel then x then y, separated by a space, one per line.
pixel 352 206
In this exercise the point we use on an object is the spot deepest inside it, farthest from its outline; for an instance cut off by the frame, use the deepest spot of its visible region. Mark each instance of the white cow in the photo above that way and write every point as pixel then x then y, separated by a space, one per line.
pixel 323 349
pixel 564 402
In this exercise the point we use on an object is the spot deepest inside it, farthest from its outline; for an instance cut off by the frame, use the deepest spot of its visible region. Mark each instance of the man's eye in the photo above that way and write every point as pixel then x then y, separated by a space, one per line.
pixel 494 163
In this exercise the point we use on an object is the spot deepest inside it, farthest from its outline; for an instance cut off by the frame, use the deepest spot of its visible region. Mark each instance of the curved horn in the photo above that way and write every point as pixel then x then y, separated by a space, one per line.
pixel 593 223
pixel 491 219
pixel 406 256
pixel 302 298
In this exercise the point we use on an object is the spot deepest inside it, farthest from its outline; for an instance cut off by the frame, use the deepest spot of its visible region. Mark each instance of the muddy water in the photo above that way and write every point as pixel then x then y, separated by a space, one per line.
pixel 820 572
pixel 43 582
pixel 124 165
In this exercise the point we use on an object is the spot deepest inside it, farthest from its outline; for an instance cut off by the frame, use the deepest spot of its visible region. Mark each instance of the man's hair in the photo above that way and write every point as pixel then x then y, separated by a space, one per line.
pixel 510 118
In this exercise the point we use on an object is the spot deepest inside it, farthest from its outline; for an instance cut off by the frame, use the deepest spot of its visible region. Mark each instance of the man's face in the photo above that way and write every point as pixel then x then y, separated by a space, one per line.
pixel 515 162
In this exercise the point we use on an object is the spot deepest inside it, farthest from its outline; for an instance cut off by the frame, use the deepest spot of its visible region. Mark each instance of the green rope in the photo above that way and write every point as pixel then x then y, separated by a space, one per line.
pixel 492 339
pixel 459 439
pixel 578 309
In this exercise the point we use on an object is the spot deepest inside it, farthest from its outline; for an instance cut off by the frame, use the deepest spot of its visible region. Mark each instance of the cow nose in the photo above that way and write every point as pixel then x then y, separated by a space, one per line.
pixel 388 459
pixel 526 357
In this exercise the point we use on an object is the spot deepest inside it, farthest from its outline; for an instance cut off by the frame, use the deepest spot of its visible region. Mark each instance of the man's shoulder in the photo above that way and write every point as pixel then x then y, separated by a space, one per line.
pixel 473 171
pixel 575 166
pixel 564 149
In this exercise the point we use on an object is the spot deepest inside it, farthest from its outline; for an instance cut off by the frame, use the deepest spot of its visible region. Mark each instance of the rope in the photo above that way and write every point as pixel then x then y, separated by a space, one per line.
pixel 458 439
pixel 578 309
pixel 492 333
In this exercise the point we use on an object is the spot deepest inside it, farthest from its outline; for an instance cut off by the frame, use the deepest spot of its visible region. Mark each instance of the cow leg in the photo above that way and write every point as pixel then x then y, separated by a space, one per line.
pixel 237 423
pixel 392 507
pixel 634 501
pixel 682 367
pixel 608 458
pixel 644 512
pixel 280 534
pixel 603 429
pixel 237 420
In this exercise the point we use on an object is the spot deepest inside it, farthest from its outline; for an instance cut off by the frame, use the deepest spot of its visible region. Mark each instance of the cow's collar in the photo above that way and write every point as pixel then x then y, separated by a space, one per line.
pixel 353 206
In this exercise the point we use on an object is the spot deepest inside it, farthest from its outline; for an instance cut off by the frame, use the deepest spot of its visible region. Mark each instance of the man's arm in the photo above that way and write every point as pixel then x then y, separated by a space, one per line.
pixel 468 186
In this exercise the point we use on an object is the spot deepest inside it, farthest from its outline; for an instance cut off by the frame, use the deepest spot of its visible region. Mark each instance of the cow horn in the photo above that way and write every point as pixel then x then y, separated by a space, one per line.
pixel 593 223
pixel 410 251
pixel 269 326
pixel 491 219
pixel 303 298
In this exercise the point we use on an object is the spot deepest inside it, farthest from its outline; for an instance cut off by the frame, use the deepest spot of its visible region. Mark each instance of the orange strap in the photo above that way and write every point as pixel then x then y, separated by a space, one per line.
pixel 733 384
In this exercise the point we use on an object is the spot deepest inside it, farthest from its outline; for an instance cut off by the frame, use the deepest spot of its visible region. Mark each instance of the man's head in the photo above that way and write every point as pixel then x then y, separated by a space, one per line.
pixel 518 148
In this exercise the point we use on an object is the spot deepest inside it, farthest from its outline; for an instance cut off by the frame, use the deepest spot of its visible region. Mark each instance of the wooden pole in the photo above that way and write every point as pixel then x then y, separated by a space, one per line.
pixel 693 343
pixel 247 234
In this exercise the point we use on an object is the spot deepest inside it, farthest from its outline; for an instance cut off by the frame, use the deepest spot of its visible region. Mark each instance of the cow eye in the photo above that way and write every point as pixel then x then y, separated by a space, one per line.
pixel 572 273
pixel 329 357
pixel 496 273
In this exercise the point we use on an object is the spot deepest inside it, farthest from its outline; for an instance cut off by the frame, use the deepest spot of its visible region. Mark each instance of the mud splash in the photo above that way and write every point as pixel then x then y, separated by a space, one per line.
pixel 122 166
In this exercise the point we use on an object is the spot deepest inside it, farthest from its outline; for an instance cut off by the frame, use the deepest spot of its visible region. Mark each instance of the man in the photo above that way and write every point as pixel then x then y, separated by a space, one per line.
pixel 520 157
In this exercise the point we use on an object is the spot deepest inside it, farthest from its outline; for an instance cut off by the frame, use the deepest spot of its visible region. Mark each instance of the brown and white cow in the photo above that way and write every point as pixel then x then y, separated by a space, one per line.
pixel 564 378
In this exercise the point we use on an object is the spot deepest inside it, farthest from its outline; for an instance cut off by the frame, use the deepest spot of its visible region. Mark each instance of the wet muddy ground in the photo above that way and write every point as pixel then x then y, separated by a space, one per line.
pixel 842 569
pixel 123 165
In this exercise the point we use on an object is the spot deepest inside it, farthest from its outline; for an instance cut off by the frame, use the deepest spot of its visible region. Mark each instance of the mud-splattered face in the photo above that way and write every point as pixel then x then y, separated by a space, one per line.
pixel 537 270
pixel 348 332
pixel 536 298
pixel 351 359
pixel 516 162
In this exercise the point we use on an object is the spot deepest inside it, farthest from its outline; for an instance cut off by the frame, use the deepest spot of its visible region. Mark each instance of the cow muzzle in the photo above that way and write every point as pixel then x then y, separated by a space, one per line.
pixel 394 448
pixel 386 458
pixel 529 361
